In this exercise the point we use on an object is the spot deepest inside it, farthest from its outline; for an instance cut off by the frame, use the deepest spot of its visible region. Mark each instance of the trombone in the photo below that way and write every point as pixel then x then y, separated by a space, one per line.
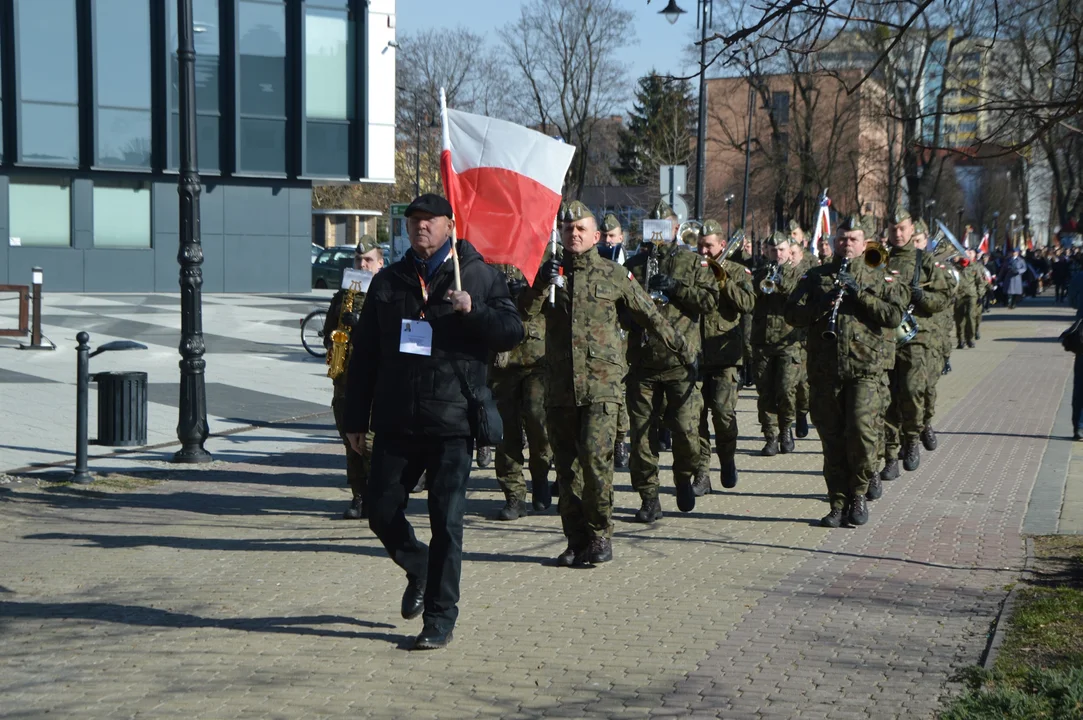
pixel 721 275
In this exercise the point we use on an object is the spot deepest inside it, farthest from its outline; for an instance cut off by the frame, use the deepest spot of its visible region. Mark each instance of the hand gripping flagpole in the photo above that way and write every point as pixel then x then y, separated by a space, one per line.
pixel 553 252
pixel 447 190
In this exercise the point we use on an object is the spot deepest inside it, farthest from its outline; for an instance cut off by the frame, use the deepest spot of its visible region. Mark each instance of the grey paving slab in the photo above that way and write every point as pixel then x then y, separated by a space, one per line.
pixel 237 404
pixel 1047 497
pixel 10 376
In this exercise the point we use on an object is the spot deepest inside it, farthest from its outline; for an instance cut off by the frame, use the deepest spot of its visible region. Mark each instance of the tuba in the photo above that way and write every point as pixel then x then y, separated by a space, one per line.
pixel 688 232
pixel 340 336
pixel 944 246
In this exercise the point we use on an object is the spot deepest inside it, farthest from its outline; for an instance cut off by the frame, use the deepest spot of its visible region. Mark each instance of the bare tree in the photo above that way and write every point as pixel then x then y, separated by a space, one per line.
pixel 561 55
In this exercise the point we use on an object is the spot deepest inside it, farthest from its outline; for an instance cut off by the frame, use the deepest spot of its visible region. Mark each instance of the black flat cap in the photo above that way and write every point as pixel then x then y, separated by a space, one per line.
pixel 432 204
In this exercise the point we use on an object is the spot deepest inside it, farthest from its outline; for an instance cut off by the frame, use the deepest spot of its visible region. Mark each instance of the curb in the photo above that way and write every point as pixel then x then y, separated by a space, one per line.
pixel 1000 624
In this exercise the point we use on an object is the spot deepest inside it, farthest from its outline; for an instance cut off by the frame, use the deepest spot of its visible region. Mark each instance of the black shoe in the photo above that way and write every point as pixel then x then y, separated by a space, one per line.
pixel 620 455
pixel 513 509
pixel 891 470
pixel 970 343
pixel 750 377
pixel 665 440
pixel 600 550
pixel 554 489
pixel 876 488
pixel 771 448
pixel 541 495
pixel 833 519
pixel 422 483
pixel 649 511
pixel 859 511
pixel 802 425
pixel 356 511
pixel 485 457
pixel 928 438
pixel 686 497
pixel 959 345
pixel 911 457
pixel 413 599
pixel 702 484
pixel 572 557
pixel 432 639
pixel 947 367
pixel 785 441
pixel 977 335
pixel 729 473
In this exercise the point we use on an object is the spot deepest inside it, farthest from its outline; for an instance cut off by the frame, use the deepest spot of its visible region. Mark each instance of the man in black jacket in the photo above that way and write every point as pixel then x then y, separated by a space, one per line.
pixel 421 347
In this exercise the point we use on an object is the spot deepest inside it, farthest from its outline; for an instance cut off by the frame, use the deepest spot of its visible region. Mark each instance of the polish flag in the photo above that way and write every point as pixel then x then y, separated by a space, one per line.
pixel 503 182
pixel 823 223
pixel 983 247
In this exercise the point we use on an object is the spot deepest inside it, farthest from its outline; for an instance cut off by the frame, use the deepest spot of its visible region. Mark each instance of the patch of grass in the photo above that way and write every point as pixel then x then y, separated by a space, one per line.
pixel 1036 694
pixel 1045 631
pixel 103 483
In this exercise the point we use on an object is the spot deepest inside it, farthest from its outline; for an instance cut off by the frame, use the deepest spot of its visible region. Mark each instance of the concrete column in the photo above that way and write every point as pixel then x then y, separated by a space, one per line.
pixel 328 231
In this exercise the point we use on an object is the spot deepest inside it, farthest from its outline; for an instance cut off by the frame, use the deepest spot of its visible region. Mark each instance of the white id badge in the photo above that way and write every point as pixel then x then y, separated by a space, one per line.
pixel 415 337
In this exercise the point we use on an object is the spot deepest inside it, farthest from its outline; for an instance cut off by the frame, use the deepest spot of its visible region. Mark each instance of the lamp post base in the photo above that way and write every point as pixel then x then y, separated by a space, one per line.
pixel 192 456
pixel 82 477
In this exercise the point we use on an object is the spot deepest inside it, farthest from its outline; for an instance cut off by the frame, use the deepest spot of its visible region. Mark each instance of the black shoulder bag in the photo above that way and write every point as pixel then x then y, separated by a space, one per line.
pixel 485 424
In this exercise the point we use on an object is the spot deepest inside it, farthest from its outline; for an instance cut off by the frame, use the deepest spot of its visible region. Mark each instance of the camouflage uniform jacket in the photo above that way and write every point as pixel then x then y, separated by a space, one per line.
pixel 531 351
pixel 723 340
pixel 933 280
pixel 583 348
pixel 330 324
pixel 864 325
pixel 770 331
pixel 808 261
pixel 696 294
pixel 971 282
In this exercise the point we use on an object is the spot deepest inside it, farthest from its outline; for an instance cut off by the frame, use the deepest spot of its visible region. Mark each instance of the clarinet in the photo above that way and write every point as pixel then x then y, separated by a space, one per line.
pixel 832 331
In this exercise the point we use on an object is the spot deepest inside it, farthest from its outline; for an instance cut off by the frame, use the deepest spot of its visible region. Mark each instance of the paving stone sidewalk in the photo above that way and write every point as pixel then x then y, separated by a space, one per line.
pixel 231 590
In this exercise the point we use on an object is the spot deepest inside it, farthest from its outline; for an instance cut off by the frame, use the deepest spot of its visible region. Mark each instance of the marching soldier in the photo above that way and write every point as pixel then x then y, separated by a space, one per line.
pixel 849 309
pixel 657 380
pixel 776 347
pixel 802 262
pixel 930 292
pixel 971 288
pixel 367 256
pixel 721 359
pixel 938 347
pixel 585 369
pixel 612 248
pixel 746 257
pixel 518 384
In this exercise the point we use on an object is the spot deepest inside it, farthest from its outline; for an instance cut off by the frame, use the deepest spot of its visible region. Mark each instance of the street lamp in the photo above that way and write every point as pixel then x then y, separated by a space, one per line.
pixel 1011 231
pixel 417 142
pixel 929 204
pixel 672 12
pixel 959 224
pixel 192 411
pixel 729 203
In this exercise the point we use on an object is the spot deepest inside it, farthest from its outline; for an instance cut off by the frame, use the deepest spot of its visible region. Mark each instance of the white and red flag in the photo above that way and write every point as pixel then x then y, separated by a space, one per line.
pixel 983 246
pixel 823 223
pixel 503 182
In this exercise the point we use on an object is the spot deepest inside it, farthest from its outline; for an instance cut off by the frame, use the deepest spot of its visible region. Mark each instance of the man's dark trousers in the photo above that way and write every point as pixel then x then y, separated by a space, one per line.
pixel 397 464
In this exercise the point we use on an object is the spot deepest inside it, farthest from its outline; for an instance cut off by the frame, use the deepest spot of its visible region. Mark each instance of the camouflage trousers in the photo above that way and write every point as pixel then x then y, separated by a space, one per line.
pixel 778 372
pixel 520 398
pixel 622 422
pixel 801 395
pixel 905 415
pixel 357 466
pixel 847 415
pixel 582 439
pixel 965 309
pixel 675 390
pixel 719 392
pixel 933 367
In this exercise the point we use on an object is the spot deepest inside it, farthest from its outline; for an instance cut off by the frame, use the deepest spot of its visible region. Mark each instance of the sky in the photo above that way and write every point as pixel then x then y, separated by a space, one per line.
pixel 660 45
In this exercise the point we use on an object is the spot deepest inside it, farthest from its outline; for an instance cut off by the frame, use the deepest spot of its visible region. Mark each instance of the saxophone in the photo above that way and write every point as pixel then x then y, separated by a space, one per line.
pixel 340 337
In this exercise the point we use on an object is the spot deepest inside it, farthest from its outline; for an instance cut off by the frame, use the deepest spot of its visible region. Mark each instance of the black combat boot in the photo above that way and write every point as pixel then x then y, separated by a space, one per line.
pixel 356 511
pixel 891 470
pixel 513 509
pixel 686 496
pixel 422 483
pixel 665 440
pixel 859 511
pixel 928 438
pixel 729 473
pixel 876 488
pixel 541 495
pixel 554 489
pixel 702 484
pixel 771 448
pixel 970 343
pixel 485 457
pixel 977 335
pixel 649 511
pixel 833 519
pixel 785 441
pixel 572 556
pixel 620 455
pixel 911 456
pixel 600 551
pixel 959 345
pixel 802 425
pixel 947 367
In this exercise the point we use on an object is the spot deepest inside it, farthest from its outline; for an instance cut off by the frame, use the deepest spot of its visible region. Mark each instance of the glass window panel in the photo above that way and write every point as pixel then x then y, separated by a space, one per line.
pixel 206 143
pixel 121 216
pixel 49 134
pixel 327 149
pixel 207 44
pixel 262 30
pixel 40 214
pixel 123 137
pixel 340 4
pixel 122 53
pixel 263 145
pixel 328 66
pixel 47 50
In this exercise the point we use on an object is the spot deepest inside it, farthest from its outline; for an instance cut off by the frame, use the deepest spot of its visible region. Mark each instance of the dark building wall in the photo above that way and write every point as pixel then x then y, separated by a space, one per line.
pixel 256 238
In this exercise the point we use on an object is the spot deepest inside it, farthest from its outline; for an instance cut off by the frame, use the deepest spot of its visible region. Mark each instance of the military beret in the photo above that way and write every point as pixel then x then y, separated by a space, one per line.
pixel 661 211
pixel 852 223
pixel 777 239
pixel 430 203
pixel 794 226
pixel 901 215
pixel 610 223
pixel 367 244
pixel 710 227
pixel 920 228
pixel 577 211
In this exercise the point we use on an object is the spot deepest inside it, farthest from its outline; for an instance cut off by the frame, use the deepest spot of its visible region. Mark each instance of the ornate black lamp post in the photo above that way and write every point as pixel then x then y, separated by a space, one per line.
pixel 192 420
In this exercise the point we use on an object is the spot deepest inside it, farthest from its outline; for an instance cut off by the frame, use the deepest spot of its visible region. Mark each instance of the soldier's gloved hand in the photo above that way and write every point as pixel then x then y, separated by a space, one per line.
pixel 916 294
pixel 351 318
pixel 516 286
pixel 663 284
pixel 849 282
pixel 550 271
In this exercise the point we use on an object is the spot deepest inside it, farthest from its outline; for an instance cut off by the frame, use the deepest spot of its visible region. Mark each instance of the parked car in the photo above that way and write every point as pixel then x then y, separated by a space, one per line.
pixel 316 250
pixel 327 268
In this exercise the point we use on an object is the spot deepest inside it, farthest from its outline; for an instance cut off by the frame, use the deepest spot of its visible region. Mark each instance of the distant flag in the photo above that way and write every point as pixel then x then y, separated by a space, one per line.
pixel 983 247
pixel 823 223
pixel 504 183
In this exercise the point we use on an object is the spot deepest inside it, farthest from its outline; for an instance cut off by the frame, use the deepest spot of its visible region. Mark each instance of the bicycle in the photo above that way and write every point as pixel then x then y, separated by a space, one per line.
pixel 312 333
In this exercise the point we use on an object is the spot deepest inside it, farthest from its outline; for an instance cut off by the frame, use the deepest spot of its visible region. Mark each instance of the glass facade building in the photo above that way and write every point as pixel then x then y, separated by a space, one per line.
pixel 289 93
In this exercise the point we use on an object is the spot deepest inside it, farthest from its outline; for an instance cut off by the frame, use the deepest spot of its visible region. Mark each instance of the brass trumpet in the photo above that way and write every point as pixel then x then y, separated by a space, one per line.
pixel 876 254
pixel 769 284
